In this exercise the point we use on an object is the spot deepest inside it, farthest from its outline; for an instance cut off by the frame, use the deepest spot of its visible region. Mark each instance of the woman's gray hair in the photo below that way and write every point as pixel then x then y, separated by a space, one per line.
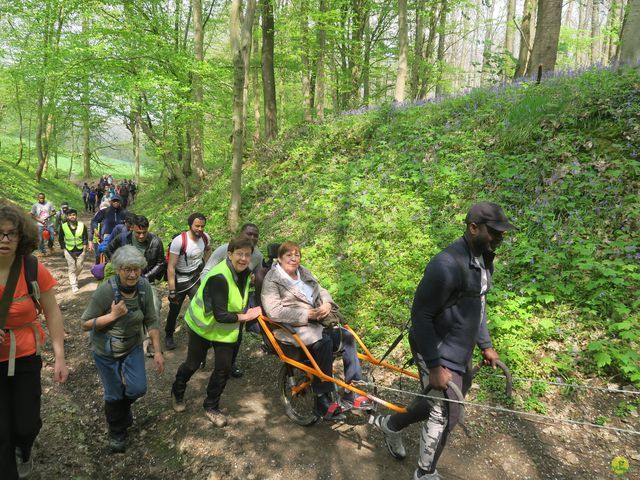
pixel 128 256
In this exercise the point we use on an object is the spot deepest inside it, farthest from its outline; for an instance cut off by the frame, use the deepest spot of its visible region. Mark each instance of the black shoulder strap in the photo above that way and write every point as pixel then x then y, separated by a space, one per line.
pixel 117 296
pixel 9 290
pixel 31 277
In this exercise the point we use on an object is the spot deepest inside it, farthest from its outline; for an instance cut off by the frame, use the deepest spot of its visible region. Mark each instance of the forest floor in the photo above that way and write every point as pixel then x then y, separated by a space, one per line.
pixel 260 441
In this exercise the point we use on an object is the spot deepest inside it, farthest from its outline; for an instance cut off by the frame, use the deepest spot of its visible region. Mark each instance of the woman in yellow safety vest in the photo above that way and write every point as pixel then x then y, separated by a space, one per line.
pixel 213 319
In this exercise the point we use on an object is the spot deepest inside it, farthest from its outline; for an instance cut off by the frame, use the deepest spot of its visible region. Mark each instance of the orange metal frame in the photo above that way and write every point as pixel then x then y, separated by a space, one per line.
pixel 313 370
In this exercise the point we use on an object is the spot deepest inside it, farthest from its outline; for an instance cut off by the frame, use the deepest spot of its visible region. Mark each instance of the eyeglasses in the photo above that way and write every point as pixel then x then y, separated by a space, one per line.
pixel 12 236
pixel 241 254
pixel 130 270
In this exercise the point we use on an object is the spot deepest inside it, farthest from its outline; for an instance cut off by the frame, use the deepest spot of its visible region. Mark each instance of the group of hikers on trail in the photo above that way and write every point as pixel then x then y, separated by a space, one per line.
pixel 93 196
pixel 228 288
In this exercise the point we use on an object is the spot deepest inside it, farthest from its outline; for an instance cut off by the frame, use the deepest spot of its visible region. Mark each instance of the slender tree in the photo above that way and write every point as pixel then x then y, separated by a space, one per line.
pixel 545 45
pixel 526 29
pixel 403 47
pixel 197 129
pixel 240 35
pixel 268 73
pixel 320 76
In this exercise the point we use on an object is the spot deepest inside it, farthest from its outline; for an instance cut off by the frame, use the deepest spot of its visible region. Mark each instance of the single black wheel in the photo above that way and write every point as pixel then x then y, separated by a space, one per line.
pixel 296 395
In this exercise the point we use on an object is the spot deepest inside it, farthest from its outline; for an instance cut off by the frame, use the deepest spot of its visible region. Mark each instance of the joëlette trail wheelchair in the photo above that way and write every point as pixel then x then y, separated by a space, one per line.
pixel 297 371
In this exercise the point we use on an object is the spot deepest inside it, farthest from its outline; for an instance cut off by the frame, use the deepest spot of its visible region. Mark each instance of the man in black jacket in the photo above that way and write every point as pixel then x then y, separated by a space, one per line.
pixel 149 244
pixel 448 318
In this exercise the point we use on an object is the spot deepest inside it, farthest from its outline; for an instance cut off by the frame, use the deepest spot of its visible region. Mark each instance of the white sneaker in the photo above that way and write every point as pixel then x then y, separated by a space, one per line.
pixel 427 476
pixel 393 440
pixel 74 289
pixel 24 467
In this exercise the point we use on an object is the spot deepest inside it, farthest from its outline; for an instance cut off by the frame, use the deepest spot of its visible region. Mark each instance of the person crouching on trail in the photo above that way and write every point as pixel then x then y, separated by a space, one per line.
pixel 214 318
pixel 73 239
pixel 115 316
pixel 448 319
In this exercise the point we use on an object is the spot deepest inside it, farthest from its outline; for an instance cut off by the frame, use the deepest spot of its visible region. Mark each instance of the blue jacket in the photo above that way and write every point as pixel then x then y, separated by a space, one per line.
pixel 108 219
pixel 446 320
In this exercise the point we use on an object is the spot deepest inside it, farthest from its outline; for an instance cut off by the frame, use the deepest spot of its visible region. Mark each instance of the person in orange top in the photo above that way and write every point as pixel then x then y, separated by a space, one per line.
pixel 21 337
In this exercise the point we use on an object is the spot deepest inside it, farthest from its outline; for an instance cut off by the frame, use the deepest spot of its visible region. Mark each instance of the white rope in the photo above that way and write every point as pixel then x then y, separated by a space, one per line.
pixel 568 385
pixel 507 410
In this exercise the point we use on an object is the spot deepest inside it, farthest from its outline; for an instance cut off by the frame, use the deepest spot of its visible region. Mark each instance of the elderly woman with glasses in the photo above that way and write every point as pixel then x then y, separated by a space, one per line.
pixel 214 317
pixel 292 295
pixel 118 312
pixel 21 340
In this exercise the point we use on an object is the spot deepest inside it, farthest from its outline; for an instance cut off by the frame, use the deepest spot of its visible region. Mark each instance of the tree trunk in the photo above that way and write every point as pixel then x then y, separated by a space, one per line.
pixel 630 35
pixel 418 60
pixel 20 123
pixel 525 37
pixel 29 142
pixel 595 32
pixel 197 149
pixel 304 59
pixel 268 74
pixel 322 40
pixel 366 63
pixel 240 33
pixel 509 38
pixel 137 120
pixel 441 46
pixel 487 44
pixel 358 15
pixel 73 152
pixel 403 47
pixel 255 51
pixel 582 25
pixel 545 45
pixel 86 139
pixel 428 55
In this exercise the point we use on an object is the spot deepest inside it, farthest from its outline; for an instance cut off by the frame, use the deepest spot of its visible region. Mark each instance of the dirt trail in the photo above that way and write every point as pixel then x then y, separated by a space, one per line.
pixel 262 443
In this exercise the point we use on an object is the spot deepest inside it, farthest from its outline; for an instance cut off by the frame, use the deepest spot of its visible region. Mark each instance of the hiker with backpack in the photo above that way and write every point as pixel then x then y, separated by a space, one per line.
pixel 249 230
pixel 213 319
pixel 85 195
pixel 185 261
pixel 151 247
pixel 21 340
pixel 117 313
pixel 43 212
pixel 107 218
pixel 73 238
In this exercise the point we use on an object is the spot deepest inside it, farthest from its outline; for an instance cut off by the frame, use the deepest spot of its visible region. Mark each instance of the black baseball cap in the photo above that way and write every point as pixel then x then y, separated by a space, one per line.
pixel 490 214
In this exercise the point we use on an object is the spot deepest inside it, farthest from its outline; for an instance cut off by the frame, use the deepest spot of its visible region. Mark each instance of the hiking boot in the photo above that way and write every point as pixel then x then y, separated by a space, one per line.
pixel 117 443
pixel 426 476
pixel 235 371
pixel 216 417
pixel 169 343
pixel 393 440
pixel 24 467
pixel 177 403
pixel 329 410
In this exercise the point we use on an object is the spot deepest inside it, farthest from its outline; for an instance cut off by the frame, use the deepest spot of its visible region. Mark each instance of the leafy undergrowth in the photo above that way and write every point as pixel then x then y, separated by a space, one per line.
pixel 373 197
pixel 19 185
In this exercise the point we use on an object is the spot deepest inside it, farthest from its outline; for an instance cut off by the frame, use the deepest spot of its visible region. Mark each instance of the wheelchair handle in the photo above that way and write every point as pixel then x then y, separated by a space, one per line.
pixel 508 390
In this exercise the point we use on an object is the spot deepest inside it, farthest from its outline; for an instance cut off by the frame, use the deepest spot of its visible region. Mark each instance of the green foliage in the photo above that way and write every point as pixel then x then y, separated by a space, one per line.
pixel 373 197
pixel 19 186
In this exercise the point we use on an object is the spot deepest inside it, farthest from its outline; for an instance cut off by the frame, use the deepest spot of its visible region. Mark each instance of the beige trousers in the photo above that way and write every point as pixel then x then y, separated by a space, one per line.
pixel 75 266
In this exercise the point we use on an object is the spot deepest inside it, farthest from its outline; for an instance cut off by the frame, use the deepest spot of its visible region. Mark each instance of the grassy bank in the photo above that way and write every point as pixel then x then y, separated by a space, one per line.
pixel 371 197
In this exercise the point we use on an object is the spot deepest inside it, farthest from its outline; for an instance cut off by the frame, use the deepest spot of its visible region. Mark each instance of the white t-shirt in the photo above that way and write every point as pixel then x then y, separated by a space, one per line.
pixel 192 260
pixel 484 284
pixel 44 211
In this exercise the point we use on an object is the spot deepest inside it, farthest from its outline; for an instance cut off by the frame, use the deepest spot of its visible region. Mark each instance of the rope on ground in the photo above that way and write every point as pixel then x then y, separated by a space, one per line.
pixel 569 385
pixel 507 410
